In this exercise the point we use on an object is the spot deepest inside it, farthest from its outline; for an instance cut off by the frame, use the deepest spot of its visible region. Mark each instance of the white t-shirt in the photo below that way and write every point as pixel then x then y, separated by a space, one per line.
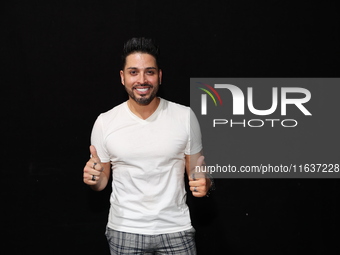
pixel 148 166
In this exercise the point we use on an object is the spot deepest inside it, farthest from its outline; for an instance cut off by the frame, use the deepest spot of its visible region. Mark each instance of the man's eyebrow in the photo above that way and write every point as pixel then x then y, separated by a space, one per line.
pixel 145 68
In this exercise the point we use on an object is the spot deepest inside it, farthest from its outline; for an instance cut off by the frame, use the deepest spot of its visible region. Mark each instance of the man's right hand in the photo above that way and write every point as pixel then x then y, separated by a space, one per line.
pixel 93 168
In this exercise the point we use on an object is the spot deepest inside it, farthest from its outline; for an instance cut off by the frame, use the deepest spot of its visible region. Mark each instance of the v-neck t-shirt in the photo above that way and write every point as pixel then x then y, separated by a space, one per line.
pixel 148 165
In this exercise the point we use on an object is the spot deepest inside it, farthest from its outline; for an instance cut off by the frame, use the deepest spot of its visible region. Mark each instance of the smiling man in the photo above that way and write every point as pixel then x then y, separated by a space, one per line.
pixel 146 143
pixel 141 78
pixel 146 78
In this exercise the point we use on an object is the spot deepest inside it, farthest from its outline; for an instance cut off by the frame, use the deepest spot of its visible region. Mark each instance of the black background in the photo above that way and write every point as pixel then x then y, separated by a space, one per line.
pixel 60 69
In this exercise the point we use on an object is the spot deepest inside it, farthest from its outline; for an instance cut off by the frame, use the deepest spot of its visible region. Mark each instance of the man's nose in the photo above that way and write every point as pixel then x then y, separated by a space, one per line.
pixel 142 78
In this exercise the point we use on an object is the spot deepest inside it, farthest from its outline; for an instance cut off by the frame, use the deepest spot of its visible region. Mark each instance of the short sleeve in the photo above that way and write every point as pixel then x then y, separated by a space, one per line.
pixel 98 140
pixel 194 144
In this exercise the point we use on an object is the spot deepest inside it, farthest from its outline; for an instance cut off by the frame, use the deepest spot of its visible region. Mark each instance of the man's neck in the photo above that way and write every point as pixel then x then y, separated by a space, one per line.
pixel 143 111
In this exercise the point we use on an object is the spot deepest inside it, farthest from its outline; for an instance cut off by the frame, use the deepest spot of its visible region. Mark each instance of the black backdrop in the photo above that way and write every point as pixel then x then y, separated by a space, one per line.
pixel 60 69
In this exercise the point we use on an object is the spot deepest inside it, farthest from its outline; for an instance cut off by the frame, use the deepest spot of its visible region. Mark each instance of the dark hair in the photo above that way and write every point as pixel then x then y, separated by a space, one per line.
pixel 142 45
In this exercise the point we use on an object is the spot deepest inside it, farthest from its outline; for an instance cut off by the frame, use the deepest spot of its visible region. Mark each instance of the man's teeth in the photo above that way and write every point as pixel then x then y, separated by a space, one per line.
pixel 143 90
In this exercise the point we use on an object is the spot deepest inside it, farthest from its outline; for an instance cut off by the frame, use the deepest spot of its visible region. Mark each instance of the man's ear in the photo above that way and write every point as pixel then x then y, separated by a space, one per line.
pixel 160 76
pixel 122 77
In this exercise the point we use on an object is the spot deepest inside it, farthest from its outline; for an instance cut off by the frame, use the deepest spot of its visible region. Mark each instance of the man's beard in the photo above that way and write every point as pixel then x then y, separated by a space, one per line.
pixel 144 99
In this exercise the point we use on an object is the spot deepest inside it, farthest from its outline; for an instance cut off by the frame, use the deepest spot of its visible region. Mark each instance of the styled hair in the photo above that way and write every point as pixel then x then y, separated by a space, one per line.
pixel 142 45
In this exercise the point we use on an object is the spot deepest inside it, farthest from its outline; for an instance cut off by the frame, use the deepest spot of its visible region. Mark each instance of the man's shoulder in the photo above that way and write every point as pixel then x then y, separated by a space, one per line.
pixel 175 106
pixel 113 111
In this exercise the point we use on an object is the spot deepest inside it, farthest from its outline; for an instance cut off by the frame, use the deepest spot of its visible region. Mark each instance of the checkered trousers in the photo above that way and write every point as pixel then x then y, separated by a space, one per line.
pixel 179 243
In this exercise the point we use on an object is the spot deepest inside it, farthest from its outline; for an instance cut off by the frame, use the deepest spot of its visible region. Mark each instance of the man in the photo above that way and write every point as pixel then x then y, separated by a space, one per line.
pixel 148 142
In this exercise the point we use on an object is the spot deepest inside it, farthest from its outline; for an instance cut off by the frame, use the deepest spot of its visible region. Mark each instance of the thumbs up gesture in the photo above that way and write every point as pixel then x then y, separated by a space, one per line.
pixel 93 169
pixel 199 185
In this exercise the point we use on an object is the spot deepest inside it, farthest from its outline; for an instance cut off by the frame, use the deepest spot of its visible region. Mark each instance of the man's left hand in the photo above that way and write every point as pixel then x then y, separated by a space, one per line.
pixel 198 183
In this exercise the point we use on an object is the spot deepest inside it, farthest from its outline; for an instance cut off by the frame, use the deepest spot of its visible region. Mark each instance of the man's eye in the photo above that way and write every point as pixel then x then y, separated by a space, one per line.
pixel 150 72
pixel 133 72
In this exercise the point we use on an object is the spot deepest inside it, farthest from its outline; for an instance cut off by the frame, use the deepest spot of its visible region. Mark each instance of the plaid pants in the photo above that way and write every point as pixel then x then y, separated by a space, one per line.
pixel 179 243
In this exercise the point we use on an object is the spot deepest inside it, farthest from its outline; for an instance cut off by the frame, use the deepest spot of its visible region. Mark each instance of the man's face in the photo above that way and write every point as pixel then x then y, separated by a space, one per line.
pixel 141 77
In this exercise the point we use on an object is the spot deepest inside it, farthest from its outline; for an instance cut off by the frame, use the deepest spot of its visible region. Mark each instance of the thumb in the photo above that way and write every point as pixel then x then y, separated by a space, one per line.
pixel 197 172
pixel 94 153
pixel 200 161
